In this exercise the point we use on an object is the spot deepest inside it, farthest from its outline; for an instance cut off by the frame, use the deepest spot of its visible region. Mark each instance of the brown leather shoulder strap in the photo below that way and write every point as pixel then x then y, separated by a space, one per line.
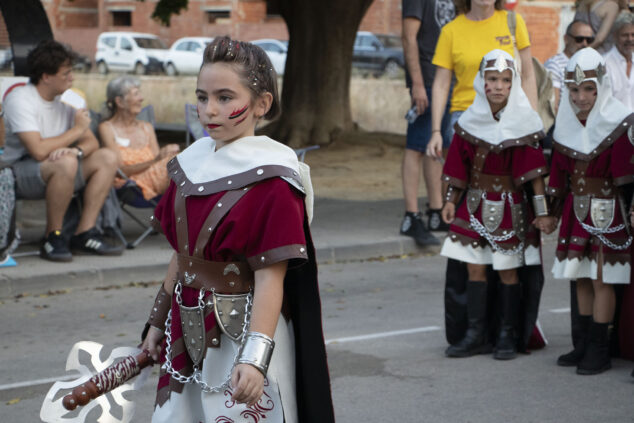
pixel 180 213
pixel 480 158
pixel 219 211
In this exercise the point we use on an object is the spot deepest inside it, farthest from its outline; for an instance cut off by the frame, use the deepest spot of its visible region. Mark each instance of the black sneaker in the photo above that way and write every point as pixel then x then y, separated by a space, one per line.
pixel 55 248
pixel 412 225
pixel 435 222
pixel 92 242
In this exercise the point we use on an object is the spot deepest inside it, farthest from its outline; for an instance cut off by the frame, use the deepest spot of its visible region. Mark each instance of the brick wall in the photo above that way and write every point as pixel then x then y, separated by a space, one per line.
pixel 249 21
pixel 543 28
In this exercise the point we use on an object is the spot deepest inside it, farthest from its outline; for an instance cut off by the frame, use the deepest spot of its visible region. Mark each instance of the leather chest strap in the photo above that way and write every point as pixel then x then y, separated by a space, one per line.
pixel 180 212
pixel 480 158
pixel 222 207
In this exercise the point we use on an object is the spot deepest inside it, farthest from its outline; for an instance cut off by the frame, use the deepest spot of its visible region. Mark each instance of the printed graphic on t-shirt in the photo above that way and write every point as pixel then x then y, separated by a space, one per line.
pixel 445 12
pixel 504 41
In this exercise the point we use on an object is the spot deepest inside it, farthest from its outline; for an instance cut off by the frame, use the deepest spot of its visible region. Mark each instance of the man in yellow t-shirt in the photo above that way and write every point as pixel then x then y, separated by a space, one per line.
pixel 463 43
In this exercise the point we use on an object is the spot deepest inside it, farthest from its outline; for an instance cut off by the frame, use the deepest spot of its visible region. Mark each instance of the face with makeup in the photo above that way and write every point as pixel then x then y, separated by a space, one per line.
pixel 497 87
pixel 227 108
pixel 583 96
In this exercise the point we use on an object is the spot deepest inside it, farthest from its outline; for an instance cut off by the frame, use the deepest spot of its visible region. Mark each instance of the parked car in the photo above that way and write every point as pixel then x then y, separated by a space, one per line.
pixel 276 50
pixel 185 55
pixel 130 52
pixel 82 64
pixel 382 54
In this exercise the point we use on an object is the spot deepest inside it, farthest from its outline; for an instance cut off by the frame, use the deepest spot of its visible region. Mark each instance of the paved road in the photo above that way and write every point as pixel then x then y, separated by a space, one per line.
pixel 392 376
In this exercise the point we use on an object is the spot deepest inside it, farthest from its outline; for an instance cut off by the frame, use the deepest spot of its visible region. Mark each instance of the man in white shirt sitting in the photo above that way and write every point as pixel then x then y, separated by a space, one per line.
pixel 578 35
pixel 618 60
pixel 54 154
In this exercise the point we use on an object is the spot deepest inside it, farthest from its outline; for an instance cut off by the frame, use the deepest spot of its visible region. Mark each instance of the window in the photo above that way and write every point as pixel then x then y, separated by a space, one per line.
pixel 195 46
pixel 153 43
pixel 184 46
pixel 273 9
pixel 218 15
pixel 126 44
pixel 121 18
pixel 109 41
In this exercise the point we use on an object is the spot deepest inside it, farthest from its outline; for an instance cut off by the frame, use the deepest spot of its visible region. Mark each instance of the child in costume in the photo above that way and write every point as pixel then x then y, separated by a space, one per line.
pixel 238 318
pixel 591 176
pixel 494 158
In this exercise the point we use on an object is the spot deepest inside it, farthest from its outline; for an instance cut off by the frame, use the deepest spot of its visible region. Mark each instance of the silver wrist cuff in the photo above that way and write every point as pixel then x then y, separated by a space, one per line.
pixel 257 351
pixel 540 206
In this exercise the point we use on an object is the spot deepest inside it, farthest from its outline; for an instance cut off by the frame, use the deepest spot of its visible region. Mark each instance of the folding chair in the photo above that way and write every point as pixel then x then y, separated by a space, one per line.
pixel 131 196
pixel 196 130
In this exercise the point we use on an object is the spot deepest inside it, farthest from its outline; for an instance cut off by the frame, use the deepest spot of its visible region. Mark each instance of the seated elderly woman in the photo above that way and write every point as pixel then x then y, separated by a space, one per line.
pixel 134 140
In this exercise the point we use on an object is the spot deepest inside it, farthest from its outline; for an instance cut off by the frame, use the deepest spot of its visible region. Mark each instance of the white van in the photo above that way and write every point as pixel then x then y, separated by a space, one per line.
pixel 129 52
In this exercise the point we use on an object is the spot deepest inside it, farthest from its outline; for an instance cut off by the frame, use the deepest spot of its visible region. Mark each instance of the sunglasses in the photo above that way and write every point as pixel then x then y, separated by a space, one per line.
pixel 580 39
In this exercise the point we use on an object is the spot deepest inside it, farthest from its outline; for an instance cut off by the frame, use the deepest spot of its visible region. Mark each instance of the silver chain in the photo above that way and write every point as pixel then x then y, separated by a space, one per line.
pixel 196 376
pixel 494 239
pixel 598 232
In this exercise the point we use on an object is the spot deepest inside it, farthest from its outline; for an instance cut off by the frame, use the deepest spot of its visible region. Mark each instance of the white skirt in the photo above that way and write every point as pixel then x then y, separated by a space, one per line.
pixel 485 255
pixel 277 405
pixel 586 268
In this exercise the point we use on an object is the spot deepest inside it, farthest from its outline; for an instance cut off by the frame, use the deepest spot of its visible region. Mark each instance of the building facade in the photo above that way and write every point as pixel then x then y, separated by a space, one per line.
pixel 79 22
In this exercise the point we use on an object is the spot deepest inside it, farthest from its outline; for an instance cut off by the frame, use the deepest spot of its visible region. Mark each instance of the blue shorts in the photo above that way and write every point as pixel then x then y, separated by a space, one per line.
pixel 419 132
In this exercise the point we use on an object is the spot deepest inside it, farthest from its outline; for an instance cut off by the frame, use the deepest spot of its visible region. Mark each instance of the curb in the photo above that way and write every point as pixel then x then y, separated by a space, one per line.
pixel 102 277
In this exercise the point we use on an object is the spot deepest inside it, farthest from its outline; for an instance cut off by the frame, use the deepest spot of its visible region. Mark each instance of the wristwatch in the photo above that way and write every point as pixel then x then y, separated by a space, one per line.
pixel 80 153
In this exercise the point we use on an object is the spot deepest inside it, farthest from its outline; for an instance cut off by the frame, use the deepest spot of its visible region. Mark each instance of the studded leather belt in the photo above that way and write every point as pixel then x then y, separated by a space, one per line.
pixel 492 183
pixel 224 277
pixel 584 185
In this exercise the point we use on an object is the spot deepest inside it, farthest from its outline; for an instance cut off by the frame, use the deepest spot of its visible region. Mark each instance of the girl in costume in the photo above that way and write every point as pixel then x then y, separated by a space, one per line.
pixel 238 318
pixel 494 155
pixel 591 175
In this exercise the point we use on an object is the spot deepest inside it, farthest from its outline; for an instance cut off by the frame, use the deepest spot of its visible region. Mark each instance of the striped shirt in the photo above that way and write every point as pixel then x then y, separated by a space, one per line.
pixel 556 67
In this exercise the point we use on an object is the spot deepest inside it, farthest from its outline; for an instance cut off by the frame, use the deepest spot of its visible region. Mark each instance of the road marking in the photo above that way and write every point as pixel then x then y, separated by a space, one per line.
pixel 560 310
pixel 381 335
pixel 328 342
pixel 37 382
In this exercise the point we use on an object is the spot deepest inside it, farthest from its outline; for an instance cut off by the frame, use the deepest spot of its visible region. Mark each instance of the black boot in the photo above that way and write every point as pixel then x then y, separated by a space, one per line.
pixel 475 339
pixel 506 345
pixel 581 336
pixel 597 357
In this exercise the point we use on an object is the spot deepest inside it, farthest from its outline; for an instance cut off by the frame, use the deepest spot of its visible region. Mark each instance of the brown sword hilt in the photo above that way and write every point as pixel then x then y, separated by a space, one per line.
pixel 108 379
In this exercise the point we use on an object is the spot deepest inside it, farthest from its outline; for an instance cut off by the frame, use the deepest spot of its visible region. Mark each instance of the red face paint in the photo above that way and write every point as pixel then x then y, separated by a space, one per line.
pixel 238 113
pixel 486 88
pixel 240 121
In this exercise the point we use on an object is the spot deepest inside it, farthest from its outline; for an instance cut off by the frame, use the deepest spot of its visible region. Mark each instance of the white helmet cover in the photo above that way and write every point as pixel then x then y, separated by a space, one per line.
pixel 606 121
pixel 519 124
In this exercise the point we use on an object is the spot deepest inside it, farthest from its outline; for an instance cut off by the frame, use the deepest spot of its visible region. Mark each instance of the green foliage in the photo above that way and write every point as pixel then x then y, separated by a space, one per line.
pixel 166 8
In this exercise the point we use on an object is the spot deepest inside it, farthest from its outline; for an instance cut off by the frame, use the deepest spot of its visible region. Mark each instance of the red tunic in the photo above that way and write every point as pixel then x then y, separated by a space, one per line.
pixel 523 163
pixel 615 162
pixel 267 221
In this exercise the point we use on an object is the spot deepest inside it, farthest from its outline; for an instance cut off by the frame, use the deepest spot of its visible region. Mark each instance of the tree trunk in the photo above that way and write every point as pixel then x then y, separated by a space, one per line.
pixel 315 94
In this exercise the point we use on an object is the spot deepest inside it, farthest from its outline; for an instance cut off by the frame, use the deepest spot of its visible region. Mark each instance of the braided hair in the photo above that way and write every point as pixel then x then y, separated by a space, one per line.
pixel 252 64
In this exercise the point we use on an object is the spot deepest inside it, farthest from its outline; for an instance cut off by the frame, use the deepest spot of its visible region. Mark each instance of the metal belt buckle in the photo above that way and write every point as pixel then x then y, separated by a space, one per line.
pixel 492 214
pixel 230 310
pixel 602 212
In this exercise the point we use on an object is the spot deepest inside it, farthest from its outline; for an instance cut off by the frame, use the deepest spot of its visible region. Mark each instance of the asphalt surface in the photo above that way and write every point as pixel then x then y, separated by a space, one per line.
pixel 382 300
pixel 383 322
